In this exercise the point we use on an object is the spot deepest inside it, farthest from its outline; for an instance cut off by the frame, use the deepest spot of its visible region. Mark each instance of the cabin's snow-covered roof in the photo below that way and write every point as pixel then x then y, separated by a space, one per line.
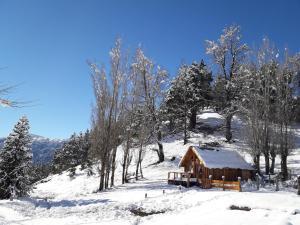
pixel 215 158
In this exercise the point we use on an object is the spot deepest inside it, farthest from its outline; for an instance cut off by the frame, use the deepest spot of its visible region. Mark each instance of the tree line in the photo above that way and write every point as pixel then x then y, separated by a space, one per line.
pixel 261 86
pixel 136 104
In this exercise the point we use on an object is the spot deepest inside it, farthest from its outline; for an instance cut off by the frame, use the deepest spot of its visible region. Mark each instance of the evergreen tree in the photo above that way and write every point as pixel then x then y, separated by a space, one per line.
pixel 200 93
pixel 85 146
pixel 189 91
pixel 16 162
pixel 73 153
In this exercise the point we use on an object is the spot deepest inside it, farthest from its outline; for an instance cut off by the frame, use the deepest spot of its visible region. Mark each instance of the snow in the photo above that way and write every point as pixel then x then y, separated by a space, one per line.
pixel 221 158
pixel 61 200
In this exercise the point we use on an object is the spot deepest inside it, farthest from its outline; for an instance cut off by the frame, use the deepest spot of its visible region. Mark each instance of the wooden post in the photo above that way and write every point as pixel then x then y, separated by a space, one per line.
pixel 240 186
pixel 188 180
pixel 257 181
pixel 223 178
pixel 298 185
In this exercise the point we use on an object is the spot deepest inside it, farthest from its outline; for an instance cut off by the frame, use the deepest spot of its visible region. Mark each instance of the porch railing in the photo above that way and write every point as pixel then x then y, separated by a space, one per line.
pixel 180 178
pixel 184 178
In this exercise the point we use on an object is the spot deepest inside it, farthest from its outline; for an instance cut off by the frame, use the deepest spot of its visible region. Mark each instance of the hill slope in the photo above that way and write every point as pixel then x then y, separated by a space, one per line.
pixel 74 201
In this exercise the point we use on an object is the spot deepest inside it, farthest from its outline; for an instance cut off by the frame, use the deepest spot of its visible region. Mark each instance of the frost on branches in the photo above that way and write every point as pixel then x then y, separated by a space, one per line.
pixel 189 91
pixel 16 162
pixel 228 54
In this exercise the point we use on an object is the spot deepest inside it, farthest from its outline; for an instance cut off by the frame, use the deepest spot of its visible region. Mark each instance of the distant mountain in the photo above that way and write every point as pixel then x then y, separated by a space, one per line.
pixel 42 148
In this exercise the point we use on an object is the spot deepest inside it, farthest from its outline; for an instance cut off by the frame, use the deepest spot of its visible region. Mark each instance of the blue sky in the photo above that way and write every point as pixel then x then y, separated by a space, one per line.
pixel 44 46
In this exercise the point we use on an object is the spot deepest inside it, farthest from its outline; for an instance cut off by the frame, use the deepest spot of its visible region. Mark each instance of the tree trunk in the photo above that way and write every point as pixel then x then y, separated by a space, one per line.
pixel 267 163
pixel 284 152
pixel 124 167
pixel 113 167
pixel 272 165
pixel 266 147
pixel 107 177
pixel 185 138
pixel 273 157
pixel 138 162
pixel 126 173
pixel 193 119
pixel 257 163
pixel 228 133
pixel 284 169
pixel 160 152
pixel 102 174
pixel 141 171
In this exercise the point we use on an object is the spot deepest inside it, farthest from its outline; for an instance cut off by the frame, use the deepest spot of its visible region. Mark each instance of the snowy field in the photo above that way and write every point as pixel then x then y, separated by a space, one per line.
pixel 60 200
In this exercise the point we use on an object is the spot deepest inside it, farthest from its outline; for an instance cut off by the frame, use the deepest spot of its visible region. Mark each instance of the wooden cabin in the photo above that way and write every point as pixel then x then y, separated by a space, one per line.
pixel 201 165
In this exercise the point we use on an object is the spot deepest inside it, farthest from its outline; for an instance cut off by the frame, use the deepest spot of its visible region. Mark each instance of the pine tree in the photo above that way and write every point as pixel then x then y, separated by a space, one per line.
pixel 73 153
pixel 200 93
pixel 189 91
pixel 16 162
pixel 85 145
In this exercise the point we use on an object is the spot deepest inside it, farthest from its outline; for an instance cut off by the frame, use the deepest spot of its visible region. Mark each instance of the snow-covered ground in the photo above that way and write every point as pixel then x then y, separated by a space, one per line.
pixel 61 200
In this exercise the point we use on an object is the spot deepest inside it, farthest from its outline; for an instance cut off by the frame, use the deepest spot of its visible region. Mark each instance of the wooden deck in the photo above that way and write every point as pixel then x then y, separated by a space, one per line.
pixel 182 178
pixel 185 179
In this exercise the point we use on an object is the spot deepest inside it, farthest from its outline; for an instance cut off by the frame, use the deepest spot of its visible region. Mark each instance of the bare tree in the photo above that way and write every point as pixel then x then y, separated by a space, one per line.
pixel 284 78
pixel 268 104
pixel 267 66
pixel 250 105
pixel 108 113
pixel 150 82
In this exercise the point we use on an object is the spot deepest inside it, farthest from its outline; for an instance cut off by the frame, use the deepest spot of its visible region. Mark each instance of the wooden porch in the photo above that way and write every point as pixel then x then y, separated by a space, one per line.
pixel 186 179
pixel 182 178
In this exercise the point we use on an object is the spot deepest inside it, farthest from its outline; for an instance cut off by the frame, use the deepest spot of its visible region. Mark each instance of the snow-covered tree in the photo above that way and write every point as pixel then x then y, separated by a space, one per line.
pixel 200 93
pixel 179 103
pixel 267 101
pixel 228 54
pixel 74 152
pixel 284 109
pixel 150 83
pixel 108 112
pixel 188 92
pixel 16 162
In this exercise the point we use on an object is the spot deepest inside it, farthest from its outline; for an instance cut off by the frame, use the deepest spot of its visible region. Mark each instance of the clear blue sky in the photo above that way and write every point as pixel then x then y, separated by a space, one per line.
pixel 44 46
